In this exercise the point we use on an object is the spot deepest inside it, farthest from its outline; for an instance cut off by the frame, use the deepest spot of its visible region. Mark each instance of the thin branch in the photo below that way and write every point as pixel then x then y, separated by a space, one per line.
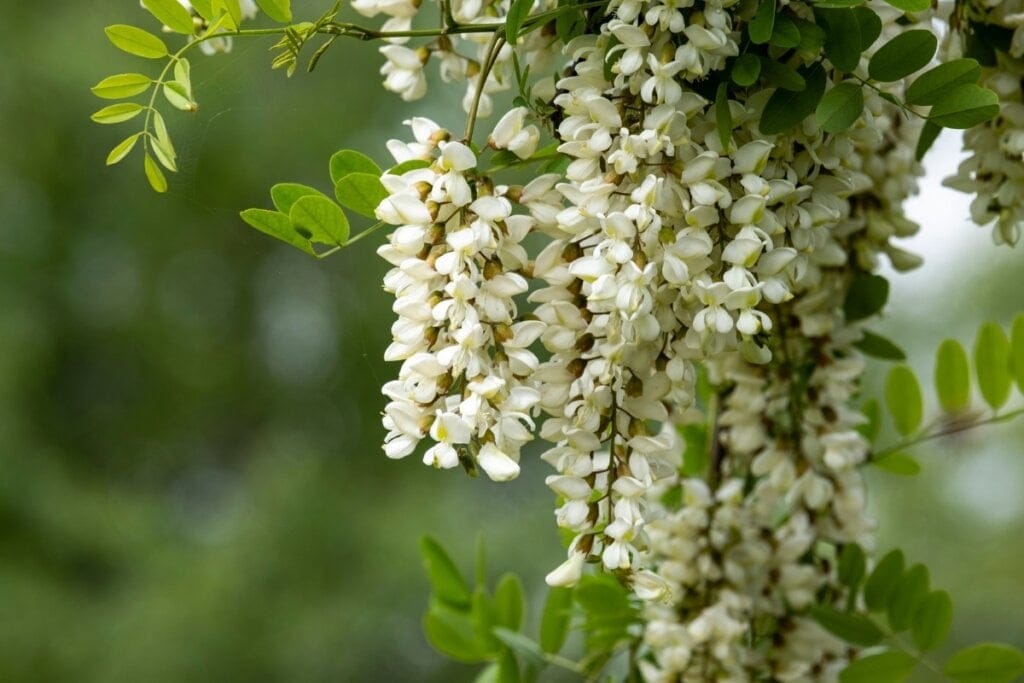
pixel 954 429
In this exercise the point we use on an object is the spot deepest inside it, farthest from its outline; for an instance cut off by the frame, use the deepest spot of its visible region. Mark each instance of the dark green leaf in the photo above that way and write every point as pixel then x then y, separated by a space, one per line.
pixel 852 565
pixel 903 55
pixel 870 26
pixel 898 463
pixel 952 376
pixel 932 621
pixel 840 107
pixel 446 581
pixel 723 116
pixel 761 26
pixel 350 161
pixel 508 602
pixel 985 663
pixel 778 74
pixel 812 36
pixel 878 346
pixel 907 595
pixel 136 42
pixel 276 224
pixel 853 628
pixel 992 364
pixel 361 192
pixel 745 70
pixel 882 580
pixel 786 109
pixel 785 33
pixel 867 295
pixel 842 37
pixel 935 84
pixel 554 622
pixel 929 133
pixel 903 399
pixel 911 5
pixel 965 106
pixel 885 667
pixel 517 13
pixel 522 646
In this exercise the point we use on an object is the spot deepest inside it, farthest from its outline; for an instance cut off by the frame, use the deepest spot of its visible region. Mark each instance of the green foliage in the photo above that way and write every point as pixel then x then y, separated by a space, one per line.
pixel 867 296
pixel 118 113
pixel 891 666
pixel 903 399
pixel 1017 351
pixel 965 106
pixel 853 628
pixel 898 463
pixel 911 5
pixel 907 596
pixel 446 582
pixel 937 83
pixel 555 620
pixel 952 376
pixel 932 621
pixel 350 161
pixel 876 345
pixel 883 579
pixel 517 13
pixel 746 70
pixel 171 14
pixel 136 41
pixel 903 55
pixel 843 42
pixel 992 364
pixel 840 107
pixel 985 663
pixel 361 192
pixel 120 86
pixel 786 109
pixel 760 27
pixel 278 10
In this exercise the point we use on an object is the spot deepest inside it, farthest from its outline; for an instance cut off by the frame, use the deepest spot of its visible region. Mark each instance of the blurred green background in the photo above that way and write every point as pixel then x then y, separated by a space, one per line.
pixel 191 484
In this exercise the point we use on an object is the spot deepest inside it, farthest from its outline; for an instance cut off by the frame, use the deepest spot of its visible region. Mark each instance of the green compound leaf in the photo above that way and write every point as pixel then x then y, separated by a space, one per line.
pixel 882 580
pixel 853 628
pixel 117 113
pixel 852 565
pixel 350 161
pixel 517 13
pixel 910 5
pixel 452 634
pixel 786 109
pixel 746 70
pixel 154 175
pixel 876 345
pixel 279 225
pixel 992 365
pixel 761 26
pixel 446 582
pixel 781 76
pixel 952 376
pixel 361 192
pixel 842 37
pixel 885 667
pixel 932 621
pixel 870 26
pixel 278 10
pixel 120 86
pixel 136 42
pixel 840 107
pixel 898 463
pixel 965 106
pixel 1017 350
pixel 171 14
pixel 867 295
pixel 123 149
pixel 935 84
pixel 985 663
pixel 907 596
pixel 929 133
pixel 320 219
pixel 284 195
pixel 903 55
pixel 785 33
pixel 509 602
pixel 903 399
pixel 554 622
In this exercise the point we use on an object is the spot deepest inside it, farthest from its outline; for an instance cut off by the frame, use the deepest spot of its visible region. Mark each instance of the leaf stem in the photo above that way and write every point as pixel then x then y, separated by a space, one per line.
pixel 953 429
pixel 493 48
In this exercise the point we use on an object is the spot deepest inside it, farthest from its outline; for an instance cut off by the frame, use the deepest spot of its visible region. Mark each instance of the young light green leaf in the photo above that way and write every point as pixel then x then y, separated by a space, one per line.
pixel 870 26
pixel 122 149
pixel 554 622
pixel 171 14
pixel 522 646
pixel 965 106
pixel 204 8
pixel 404 167
pixel 873 412
pixel 183 75
pixel 992 364
pixel 786 109
pixel 903 399
pixel 116 113
pixel 122 85
pixel 361 192
pixel 952 376
pixel 907 595
pixel 935 84
pixel 891 666
pixel 853 628
pixel 723 115
pixel 746 69
pixel 277 224
pixel 232 9
pixel 177 95
pixel 882 580
pixel 154 175
pixel 446 581
pixel 932 621
pixel 903 55
pixel 867 295
pixel 1017 350
pixel 842 37
pixel 509 602
pixel 278 10
pixel 136 42
pixel 321 219
pixel 898 463
pixel 164 152
pixel 286 194
pixel 876 345
pixel 911 5
pixel 350 161
pixel 840 107
pixel 452 634
pixel 517 13
pixel 985 663
pixel 761 26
